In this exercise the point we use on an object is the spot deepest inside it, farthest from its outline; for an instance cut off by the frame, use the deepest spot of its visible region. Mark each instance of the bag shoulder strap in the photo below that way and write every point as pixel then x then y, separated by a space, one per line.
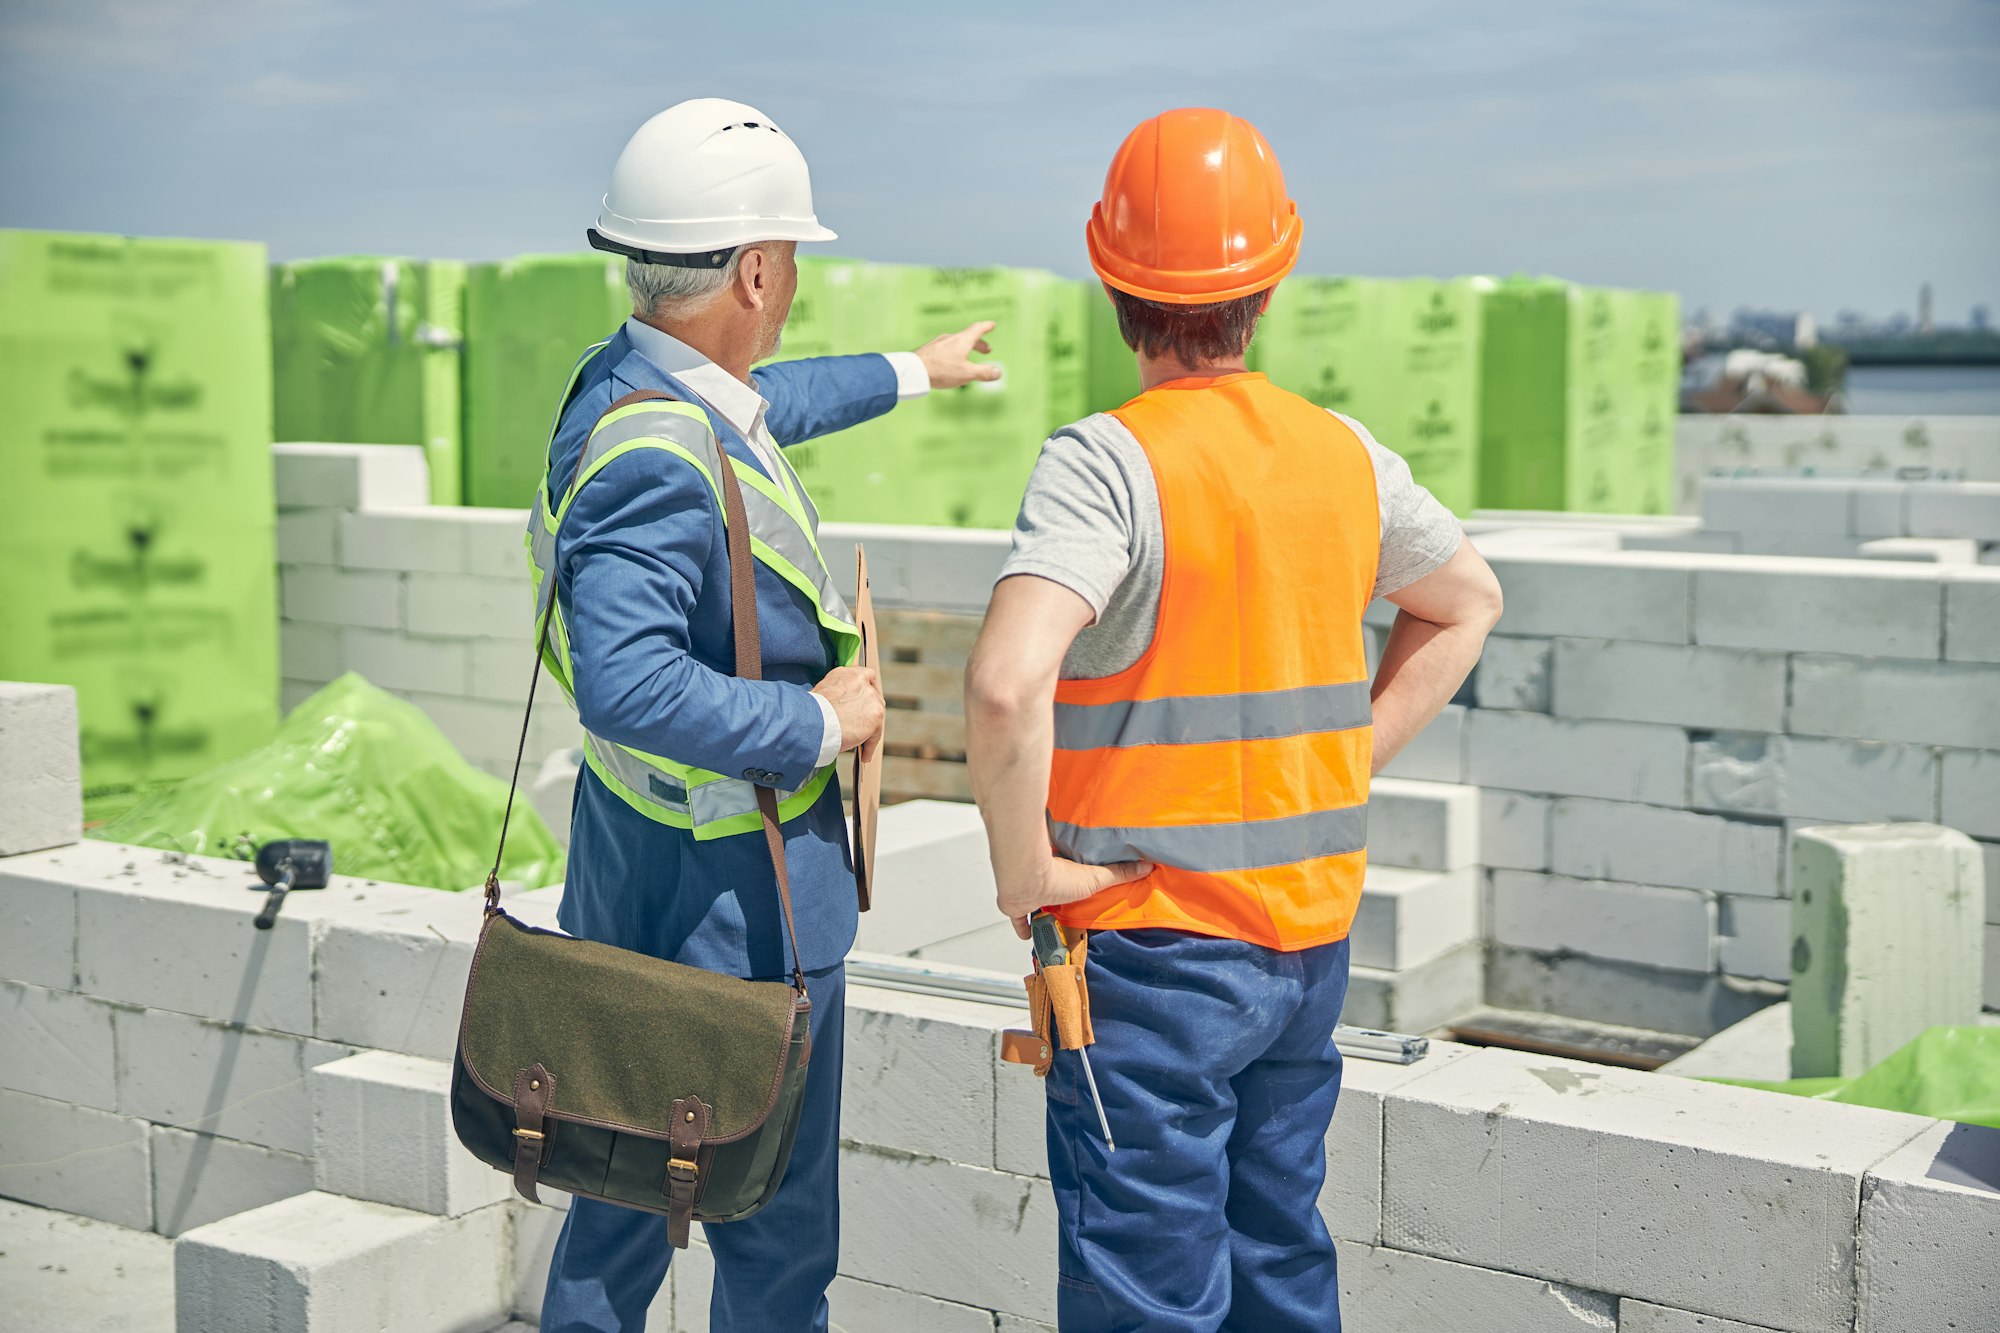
pixel 749 666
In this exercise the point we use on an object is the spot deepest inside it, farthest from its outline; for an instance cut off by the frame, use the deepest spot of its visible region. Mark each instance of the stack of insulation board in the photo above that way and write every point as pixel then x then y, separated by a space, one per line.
pixel 528 322
pixel 367 350
pixel 1580 390
pixel 135 432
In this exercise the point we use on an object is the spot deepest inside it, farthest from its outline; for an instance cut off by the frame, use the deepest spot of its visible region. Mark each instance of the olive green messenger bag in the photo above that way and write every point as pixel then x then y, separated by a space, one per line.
pixel 622 1077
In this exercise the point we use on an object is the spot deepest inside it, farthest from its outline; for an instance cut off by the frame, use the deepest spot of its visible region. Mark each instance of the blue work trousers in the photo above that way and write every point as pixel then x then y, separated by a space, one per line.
pixel 1216 1062
pixel 771 1269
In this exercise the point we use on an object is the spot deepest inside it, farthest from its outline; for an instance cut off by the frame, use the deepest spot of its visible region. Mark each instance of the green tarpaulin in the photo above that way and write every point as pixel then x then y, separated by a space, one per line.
pixel 366 350
pixel 367 772
pixel 1949 1073
pixel 135 434
pixel 527 321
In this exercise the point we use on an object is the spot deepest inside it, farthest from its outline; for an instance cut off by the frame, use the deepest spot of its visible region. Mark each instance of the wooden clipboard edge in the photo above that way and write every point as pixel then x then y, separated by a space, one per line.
pixel 867 768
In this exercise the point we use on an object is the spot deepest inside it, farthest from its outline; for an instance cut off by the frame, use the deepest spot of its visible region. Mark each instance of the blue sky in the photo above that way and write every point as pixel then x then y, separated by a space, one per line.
pixel 1798 153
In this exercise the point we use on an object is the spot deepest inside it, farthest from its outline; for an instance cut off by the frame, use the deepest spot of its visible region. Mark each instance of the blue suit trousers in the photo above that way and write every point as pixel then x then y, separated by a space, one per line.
pixel 1216 1062
pixel 771 1269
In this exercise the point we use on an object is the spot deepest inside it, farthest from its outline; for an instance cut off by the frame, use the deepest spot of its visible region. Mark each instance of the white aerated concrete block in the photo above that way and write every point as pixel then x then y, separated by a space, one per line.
pixel 1020 1118
pixel 870 1307
pixel 318 1261
pixel 1592 594
pixel 349 476
pixel 1922 550
pixel 1630 761
pixel 495 541
pixel 369 599
pixel 1754 937
pixel 1972 615
pixel 1558 1169
pixel 56 1044
pixel 1648 844
pixel 76 1159
pixel 1936 703
pixel 1775 504
pixel 1886 922
pixel 1422 825
pixel 1418 998
pixel 959 1233
pixel 1801 605
pixel 1930 1228
pixel 198 1178
pixel 1513 673
pixel 1969 797
pixel 1351 1199
pixel 1953 509
pixel 1641 1317
pixel 1390 1290
pixel 41 783
pixel 935 569
pixel 310 652
pixel 198 1074
pixel 500 670
pixel 1635 923
pixel 1409 917
pixel 308 537
pixel 933 877
pixel 460 606
pixel 38 917
pixel 1676 683
pixel 382 1132
pixel 1806 778
pixel 918 1074
pixel 397 661
pixel 1513 829
pixel 405 540
pixel 1435 754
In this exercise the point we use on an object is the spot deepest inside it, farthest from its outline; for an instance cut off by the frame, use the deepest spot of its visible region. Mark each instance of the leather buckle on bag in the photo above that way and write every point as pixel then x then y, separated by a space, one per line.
pixel 534 1134
pixel 676 1165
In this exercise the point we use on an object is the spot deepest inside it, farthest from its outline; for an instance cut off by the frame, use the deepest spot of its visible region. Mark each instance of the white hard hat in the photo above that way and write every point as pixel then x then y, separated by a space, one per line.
pixel 702 178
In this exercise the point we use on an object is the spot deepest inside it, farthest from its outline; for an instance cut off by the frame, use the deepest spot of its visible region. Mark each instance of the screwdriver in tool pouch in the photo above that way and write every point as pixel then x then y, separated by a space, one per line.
pixel 1050 951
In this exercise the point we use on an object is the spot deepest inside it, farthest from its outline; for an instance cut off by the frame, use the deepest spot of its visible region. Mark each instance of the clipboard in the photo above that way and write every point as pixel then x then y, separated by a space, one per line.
pixel 867 758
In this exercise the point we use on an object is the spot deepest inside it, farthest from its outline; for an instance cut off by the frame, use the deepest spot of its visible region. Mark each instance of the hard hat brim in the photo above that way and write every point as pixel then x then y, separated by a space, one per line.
pixel 1184 287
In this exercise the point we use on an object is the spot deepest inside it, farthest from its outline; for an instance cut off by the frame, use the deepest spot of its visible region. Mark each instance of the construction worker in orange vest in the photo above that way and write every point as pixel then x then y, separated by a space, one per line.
pixel 1171 729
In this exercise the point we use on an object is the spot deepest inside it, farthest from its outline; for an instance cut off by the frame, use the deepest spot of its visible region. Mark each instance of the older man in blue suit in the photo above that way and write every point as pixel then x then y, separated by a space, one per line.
pixel 708 203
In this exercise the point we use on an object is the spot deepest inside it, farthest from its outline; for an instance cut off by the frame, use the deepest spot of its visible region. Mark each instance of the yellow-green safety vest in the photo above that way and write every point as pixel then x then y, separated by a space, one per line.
pixel 783 537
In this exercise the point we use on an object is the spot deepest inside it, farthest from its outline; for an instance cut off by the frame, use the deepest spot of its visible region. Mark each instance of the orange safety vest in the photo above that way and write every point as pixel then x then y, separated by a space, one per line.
pixel 1234 754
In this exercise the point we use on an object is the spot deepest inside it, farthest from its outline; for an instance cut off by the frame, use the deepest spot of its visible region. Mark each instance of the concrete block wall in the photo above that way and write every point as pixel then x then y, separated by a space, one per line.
pixel 1873 515
pixel 1964 445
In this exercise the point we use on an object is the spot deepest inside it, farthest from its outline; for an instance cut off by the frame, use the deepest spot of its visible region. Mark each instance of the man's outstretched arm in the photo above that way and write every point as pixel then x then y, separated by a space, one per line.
pixel 822 394
pixel 1010 689
pixel 1440 628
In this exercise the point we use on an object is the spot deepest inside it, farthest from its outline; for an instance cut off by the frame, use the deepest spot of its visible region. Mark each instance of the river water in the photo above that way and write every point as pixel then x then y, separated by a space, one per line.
pixel 1912 391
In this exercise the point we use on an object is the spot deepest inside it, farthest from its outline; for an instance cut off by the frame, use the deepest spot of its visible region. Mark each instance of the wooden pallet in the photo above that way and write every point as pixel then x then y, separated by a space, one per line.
pixel 923 679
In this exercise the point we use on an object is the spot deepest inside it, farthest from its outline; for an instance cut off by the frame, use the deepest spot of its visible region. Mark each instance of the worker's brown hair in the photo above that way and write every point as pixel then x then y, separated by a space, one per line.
pixel 1191 334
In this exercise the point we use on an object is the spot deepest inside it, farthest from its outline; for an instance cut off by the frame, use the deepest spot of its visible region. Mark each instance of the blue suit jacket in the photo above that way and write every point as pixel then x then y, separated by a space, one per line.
pixel 642 573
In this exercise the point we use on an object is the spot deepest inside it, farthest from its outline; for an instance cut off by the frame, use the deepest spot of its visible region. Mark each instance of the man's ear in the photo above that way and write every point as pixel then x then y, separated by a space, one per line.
pixel 753 278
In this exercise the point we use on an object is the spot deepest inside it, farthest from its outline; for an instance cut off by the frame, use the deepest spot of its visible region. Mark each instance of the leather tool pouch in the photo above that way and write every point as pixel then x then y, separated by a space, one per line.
pixel 623 1077
pixel 1058 1007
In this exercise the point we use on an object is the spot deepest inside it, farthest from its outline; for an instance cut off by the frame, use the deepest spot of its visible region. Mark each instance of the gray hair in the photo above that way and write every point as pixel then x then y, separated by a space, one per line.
pixel 666 289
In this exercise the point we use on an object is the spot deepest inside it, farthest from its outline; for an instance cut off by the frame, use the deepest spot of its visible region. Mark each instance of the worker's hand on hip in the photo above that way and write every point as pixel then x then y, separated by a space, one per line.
pixel 1062 882
pixel 946 357
pixel 856 696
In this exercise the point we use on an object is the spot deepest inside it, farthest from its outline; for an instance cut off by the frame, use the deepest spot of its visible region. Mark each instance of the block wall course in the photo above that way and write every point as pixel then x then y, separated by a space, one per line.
pixel 1607 991
pixel 38 918
pixel 1953 509
pixel 1649 844
pixel 1409 917
pixel 1843 781
pixel 1418 998
pixel 431 540
pixel 871 1307
pixel 1774 505
pixel 1642 1317
pixel 349 476
pixel 1635 923
pixel 1754 937
pixel 382 1132
pixel 1594 594
pixel 918 1073
pixel 57 1155
pixel 1513 673
pixel 1972 615
pixel 1969 792
pixel 368 599
pixel 1514 829
pixel 1934 703
pixel 1554 756
pixel 1930 1226
pixel 1435 754
pixel 308 537
pixel 461 606
pixel 396 661
pixel 1734 688
pixel 1351 1199
pixel 199 1074
pixel 495 542
pixel 57 1044
pixel 1391 1289
pixel 311 652
pixel 198 1178
pixel 1603 1147
pixel 1781 604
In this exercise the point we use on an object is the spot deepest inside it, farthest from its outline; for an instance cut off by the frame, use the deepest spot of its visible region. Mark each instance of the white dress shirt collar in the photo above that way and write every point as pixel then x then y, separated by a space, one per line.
pixel 740 404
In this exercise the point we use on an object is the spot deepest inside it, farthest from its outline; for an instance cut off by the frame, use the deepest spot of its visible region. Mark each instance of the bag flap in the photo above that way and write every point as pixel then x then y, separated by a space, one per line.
pixel 622 1034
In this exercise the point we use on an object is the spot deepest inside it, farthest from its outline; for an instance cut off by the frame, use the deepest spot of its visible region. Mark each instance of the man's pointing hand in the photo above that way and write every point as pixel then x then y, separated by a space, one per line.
pixel 946 357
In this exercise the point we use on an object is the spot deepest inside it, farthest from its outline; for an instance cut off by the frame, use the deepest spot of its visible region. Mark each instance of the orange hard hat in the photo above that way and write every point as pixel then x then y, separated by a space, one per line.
pixel 1194 211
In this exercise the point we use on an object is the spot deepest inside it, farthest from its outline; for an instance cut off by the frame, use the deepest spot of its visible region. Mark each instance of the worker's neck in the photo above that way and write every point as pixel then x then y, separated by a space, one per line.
pixel 722 335
pixel 1157 370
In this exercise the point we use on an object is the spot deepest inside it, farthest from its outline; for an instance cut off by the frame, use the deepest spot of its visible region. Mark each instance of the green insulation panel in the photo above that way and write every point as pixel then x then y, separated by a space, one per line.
pixel 135 430
pixel 1324 339
pixel 527 323
pixel 367 350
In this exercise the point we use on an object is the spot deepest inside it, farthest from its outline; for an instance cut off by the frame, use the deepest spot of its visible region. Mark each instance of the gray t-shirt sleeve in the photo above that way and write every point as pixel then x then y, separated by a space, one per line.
pixel 1418 533
pixel 1076 522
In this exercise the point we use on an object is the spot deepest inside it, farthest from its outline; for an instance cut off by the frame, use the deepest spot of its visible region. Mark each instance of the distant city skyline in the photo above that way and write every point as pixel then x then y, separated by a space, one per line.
pixel 1792 155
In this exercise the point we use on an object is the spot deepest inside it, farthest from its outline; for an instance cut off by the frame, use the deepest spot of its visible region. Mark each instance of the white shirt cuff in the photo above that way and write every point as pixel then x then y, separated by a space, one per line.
pixel 829 737
pixel 912 380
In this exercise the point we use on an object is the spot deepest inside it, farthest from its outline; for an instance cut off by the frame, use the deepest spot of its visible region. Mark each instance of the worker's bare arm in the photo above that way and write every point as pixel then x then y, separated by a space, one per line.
pixel 1010 687
pixel 1441 625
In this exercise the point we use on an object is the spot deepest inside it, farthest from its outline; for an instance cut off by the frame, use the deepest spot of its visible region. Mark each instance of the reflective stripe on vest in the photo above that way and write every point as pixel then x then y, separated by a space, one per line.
pixel 710 804
pixel 1234 755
